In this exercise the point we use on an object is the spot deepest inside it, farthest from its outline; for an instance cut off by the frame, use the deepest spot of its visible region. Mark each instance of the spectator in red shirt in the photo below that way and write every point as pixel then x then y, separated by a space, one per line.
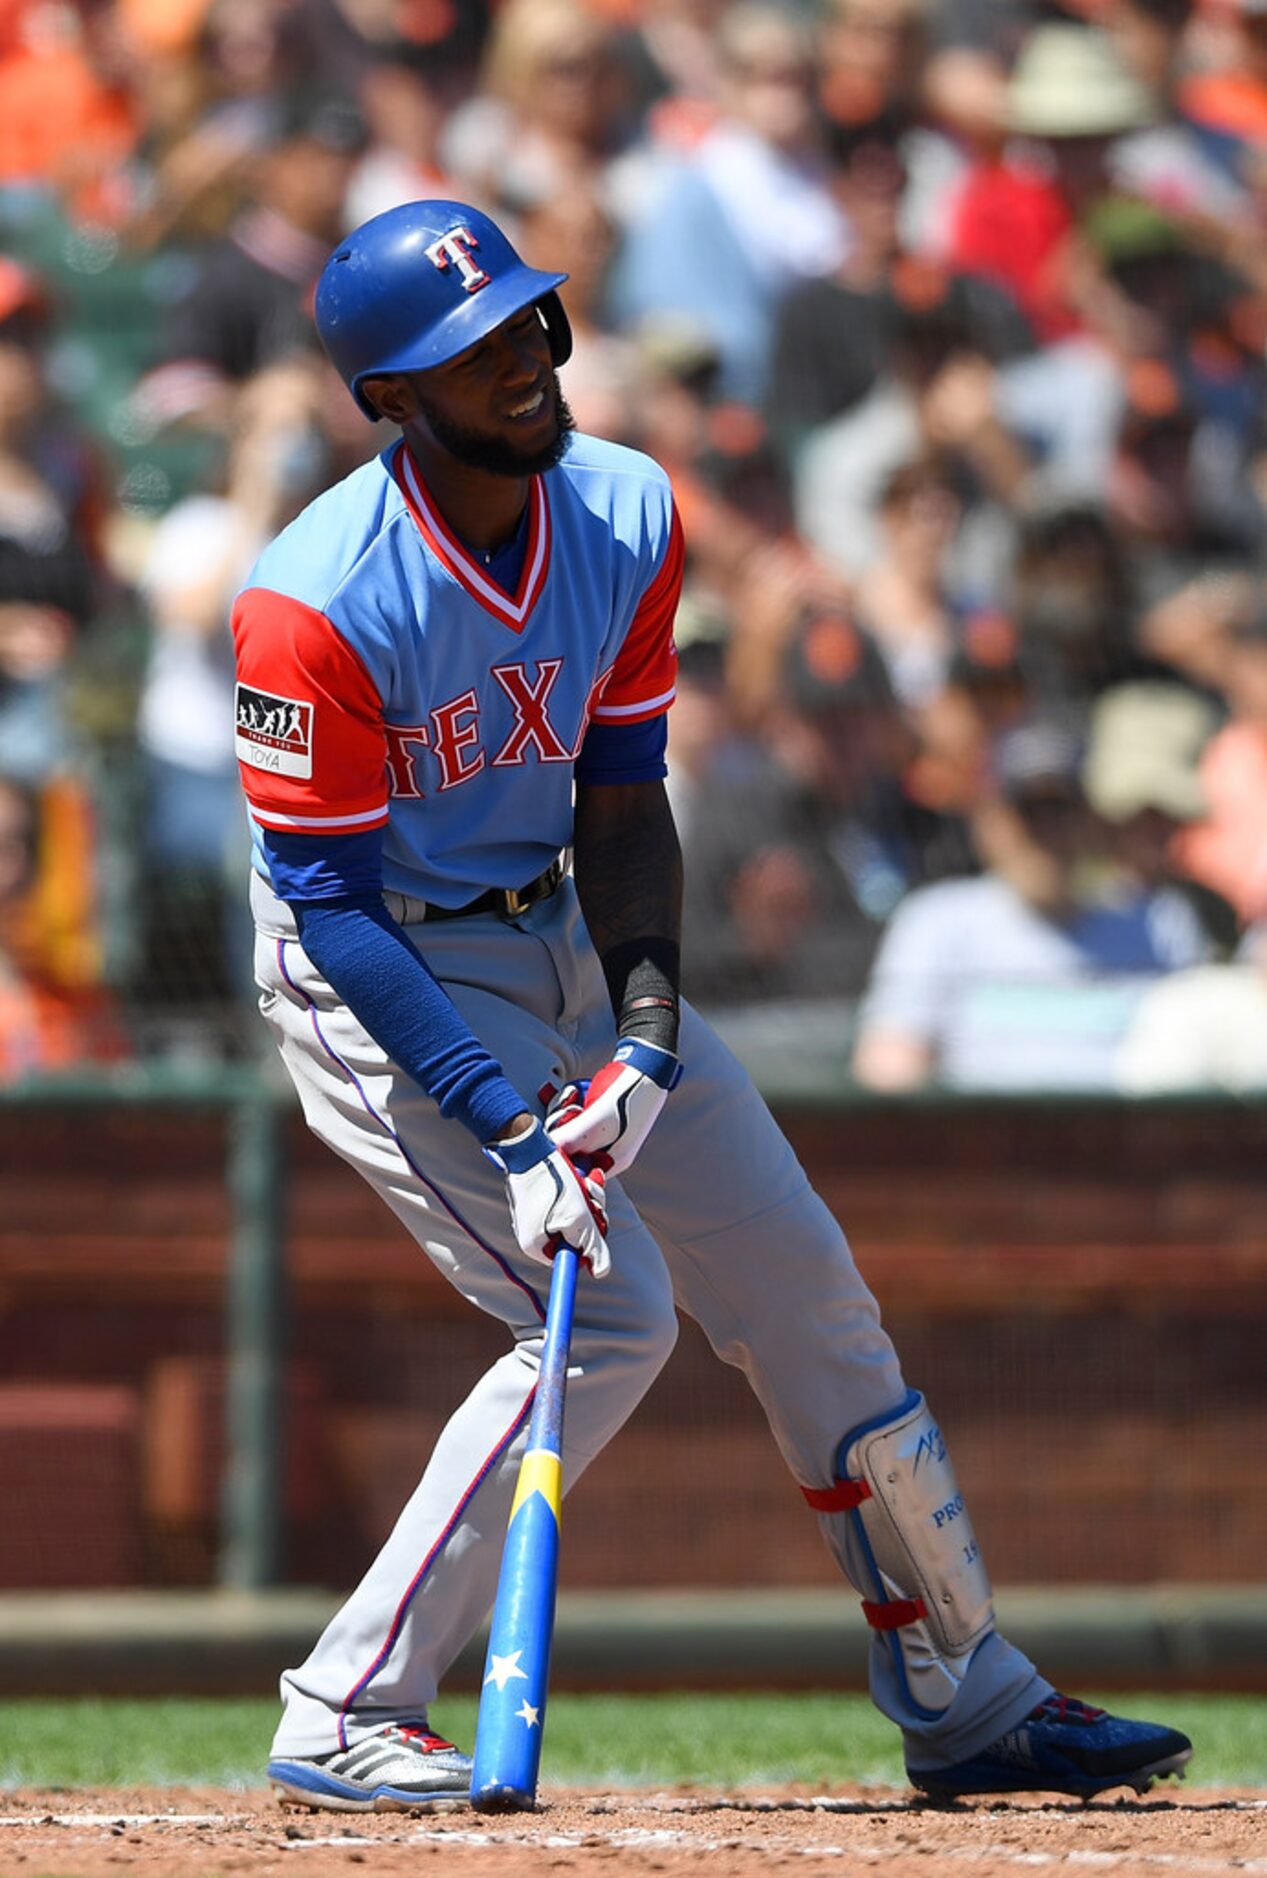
pixel 1016 219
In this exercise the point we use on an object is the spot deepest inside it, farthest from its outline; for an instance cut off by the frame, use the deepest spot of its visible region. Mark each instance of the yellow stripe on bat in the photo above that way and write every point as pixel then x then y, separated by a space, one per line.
pixel 542 1473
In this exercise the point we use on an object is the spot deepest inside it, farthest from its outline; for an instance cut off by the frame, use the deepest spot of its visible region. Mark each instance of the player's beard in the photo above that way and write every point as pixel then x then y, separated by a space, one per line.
pixel 494 452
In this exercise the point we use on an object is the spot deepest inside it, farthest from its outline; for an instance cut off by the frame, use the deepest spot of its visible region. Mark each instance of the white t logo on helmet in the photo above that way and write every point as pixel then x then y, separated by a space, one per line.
pixel 451 250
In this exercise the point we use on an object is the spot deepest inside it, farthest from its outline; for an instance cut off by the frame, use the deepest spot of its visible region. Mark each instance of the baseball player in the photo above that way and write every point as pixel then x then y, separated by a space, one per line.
pixel 454 670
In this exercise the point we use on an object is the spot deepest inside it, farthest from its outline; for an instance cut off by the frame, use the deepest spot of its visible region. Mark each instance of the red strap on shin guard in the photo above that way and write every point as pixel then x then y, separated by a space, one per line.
pixel 893 1615
pixel 840 1498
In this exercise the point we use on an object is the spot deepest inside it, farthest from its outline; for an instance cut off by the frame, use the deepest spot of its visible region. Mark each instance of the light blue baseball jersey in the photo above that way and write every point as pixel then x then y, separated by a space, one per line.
pixel 386 681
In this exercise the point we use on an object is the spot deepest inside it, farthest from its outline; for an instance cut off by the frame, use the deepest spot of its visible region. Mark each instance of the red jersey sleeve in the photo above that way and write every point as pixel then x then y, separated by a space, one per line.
pixel 308 721
pixel 644 675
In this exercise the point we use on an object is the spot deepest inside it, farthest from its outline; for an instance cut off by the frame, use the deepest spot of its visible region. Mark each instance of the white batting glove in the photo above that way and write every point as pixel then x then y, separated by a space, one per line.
pixel 608 1118
pixel 552 1201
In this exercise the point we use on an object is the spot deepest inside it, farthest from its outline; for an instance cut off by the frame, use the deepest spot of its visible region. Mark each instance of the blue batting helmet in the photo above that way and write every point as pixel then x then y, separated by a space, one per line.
pixel 417 285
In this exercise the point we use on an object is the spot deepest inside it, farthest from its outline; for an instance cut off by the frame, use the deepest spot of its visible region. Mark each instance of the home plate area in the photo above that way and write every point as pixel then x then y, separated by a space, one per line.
pixel 177 1832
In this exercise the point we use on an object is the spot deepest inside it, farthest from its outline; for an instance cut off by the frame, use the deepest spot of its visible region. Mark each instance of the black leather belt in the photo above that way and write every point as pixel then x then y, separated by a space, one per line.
pixel 506 902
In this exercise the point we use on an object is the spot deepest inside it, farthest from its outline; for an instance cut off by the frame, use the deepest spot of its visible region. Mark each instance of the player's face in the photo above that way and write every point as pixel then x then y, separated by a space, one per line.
pixel 498 406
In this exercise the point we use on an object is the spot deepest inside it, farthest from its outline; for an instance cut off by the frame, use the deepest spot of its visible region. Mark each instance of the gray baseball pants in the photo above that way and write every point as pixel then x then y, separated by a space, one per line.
pixel 715 1218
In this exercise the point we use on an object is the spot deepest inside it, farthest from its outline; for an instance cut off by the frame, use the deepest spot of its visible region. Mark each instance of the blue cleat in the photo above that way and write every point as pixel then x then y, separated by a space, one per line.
pixel 1063 1746
pixel 398 1770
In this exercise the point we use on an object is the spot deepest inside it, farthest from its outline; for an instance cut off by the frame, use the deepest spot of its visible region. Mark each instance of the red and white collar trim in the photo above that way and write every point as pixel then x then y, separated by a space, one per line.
pixel 511 610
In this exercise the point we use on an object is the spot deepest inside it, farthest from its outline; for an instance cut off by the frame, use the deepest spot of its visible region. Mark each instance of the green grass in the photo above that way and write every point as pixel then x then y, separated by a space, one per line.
pixel 715 1740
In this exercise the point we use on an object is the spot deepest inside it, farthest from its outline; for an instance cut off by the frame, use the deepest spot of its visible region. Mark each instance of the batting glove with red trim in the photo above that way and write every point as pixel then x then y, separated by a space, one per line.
pixel 552 1201
pixel 608 1118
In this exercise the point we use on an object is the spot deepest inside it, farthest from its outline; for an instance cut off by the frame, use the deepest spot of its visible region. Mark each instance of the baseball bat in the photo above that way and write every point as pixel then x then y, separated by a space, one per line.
pixel 512 1706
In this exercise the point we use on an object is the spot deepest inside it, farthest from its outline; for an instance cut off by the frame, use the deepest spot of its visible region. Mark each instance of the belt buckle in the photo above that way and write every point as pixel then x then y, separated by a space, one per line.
pixel 517 900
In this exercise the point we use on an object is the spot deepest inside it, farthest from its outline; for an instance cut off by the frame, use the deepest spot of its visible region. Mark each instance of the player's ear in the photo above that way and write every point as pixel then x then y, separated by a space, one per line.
pixel 392 397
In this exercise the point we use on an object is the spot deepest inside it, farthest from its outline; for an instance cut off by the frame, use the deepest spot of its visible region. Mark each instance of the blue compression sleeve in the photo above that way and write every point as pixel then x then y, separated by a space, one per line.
pixel 333 885
pixel 359 949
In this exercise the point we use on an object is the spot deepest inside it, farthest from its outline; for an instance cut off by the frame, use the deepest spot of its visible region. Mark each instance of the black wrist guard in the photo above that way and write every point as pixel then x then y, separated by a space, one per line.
pixel 643 977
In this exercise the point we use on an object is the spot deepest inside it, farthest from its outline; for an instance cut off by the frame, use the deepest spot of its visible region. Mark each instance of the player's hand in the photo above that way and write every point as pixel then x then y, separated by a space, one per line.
pixel 608 1118
pixel 552 1201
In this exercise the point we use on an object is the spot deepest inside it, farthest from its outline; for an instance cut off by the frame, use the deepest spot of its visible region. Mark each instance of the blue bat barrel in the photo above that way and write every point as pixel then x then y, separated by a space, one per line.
pixel 517 1668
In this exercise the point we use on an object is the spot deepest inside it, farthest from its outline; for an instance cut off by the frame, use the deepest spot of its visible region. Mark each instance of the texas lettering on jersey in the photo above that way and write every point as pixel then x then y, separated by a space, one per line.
pixel 454 738
pixel 386 681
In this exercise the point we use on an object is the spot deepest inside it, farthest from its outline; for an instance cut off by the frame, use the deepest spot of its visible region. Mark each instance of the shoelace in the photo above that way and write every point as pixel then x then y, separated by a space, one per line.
pixel 1067 1708
pixel 424 1738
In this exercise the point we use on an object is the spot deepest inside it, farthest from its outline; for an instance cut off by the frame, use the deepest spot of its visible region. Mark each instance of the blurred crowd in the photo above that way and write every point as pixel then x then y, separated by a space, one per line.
pixel 947 319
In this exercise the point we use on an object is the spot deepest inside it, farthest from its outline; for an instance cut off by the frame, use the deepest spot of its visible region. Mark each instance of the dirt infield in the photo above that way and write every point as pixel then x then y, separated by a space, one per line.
pixel 201 1833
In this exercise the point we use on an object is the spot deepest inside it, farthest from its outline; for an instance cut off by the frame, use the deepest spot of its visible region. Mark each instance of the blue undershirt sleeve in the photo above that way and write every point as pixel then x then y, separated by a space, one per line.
pixel 368 958
pixel 325 867
pixel 624 753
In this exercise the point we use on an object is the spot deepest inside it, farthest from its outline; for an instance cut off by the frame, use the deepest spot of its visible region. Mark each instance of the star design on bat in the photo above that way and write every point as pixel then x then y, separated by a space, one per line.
pixel 505 1669
pixel 528 1714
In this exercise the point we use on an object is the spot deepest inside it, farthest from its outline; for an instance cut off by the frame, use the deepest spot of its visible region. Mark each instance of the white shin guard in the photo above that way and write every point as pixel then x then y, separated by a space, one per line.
pixel 906 1541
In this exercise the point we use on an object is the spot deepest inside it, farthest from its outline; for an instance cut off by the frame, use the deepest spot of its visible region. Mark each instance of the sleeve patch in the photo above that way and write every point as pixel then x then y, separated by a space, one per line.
pixel 308 720
pixel 273 733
